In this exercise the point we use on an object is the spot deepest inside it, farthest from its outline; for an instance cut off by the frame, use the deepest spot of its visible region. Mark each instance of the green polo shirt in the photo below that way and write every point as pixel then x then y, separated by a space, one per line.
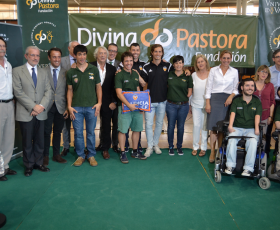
pixel 178 87
pixel 245 113
pixel 126 81
pixel 84 86
pixel 277 114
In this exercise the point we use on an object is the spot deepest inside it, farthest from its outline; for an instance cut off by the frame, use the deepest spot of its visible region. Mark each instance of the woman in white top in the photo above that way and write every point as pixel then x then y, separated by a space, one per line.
pixel 197 106
pixel 221 87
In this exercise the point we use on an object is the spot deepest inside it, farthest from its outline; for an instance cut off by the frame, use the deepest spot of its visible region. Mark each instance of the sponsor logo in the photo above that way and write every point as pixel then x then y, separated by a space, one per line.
pixel 41 35
pixel 140 67
pixel 126 81
pixel 184 80
pixel 74 76
pixel 170 78
pixel 274 40
pixel 164 68
pixel 272 7
pixel 155 32
pixel 135 97
pixel 253 108
pixel 44 6
pixel 91 77
pixel 150 70
pixel 136 79
pixel 76 80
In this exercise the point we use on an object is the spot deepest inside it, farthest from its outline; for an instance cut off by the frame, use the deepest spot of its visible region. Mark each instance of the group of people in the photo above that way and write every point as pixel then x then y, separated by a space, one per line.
pixel 72 90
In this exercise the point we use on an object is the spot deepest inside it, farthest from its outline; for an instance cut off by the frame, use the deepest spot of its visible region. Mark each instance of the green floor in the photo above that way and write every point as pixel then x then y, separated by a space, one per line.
pixel 163 192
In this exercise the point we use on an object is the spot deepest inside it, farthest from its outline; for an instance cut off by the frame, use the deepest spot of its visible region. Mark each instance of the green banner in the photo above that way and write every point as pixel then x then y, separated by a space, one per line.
pixel 45 25
pixel 12 35
pixel 268 31
pixel 179 34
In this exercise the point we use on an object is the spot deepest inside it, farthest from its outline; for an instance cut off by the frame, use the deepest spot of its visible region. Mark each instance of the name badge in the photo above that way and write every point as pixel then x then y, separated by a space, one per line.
pixel 239 107
pixel 253 108
pixel 126 81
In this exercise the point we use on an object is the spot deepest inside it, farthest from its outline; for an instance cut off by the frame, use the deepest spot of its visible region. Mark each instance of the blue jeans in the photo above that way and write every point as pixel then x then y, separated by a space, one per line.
pixel 86 113
pixel 251 148
pixel 157 109
pixel 175 113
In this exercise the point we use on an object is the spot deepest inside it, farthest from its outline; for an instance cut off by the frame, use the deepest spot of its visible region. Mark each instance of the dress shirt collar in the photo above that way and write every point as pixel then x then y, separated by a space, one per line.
pixel 98 66
pixel 229 67
pixel 113 62
pixel 29 67
pixel 273 69
pixel 52 68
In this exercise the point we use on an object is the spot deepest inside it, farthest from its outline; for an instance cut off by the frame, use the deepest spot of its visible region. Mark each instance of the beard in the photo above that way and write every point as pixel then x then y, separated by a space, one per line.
pixel 247 94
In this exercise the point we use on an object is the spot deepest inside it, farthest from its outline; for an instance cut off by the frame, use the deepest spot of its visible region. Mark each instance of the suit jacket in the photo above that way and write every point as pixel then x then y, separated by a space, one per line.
pixel 65 63
pixel 59 94
pixel 28 96
pixel 108 87
pixel 117 63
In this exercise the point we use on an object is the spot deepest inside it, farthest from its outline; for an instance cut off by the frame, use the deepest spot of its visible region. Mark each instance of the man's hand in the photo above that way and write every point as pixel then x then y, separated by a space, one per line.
pixel 187 72
pixel 97 109
pixel 38 109
pixel 208 108
pixel 73 66
pixel 66 114
pixel 257 131
pixel 190 109
pixel 119 70
pixel 269 120
pixel 112 106
pixel 34 114
pixel 132 107
pixel 231 129
pixel 72 111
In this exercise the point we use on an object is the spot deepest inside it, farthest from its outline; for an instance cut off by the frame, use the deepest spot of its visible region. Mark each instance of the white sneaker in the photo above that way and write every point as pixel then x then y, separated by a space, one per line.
pixel 157 150
pixel 229 170
pixel 246 173
pixel 148 152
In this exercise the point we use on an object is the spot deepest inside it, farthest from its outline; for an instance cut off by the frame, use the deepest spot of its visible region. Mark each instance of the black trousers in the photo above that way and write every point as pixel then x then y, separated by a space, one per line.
pixel 105 129
pixel 54 122
pixel 32 142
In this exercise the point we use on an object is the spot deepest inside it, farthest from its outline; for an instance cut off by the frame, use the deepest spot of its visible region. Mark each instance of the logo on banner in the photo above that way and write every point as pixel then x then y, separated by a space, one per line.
pixel 273 7
pixel 155 31
pixel 135 97
pixel 43 5
pixel 41 35
pixel 274 41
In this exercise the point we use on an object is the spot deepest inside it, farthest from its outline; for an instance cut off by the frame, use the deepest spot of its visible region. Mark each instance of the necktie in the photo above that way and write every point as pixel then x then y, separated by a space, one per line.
pixel 34 77
pixel 111 62
pixel 54 78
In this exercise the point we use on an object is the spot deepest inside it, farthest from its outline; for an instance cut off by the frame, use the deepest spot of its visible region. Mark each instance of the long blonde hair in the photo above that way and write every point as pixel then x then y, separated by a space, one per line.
pixel 262 67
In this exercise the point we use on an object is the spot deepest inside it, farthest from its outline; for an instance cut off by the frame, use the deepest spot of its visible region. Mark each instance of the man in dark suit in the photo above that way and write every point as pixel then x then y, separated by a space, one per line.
pixel 113 51
pixel 109 100
pixel 66 63
pixel 57 109
pixel 33 93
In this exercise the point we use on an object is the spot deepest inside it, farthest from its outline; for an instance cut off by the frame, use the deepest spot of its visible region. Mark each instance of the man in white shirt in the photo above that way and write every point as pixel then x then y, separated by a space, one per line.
pixel 7 115
pixel 113 51
pixel 275 80
pixel 108 110
pixel 66 63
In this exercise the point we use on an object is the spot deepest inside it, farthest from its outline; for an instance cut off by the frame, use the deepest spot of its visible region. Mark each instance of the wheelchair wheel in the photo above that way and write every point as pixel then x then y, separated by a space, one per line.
pixel 264 183
pixel 218 177
pixel 270 169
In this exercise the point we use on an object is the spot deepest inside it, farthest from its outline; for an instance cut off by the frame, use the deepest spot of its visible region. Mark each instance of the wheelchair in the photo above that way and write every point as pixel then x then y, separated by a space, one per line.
pixel 272 173
pixel 260 162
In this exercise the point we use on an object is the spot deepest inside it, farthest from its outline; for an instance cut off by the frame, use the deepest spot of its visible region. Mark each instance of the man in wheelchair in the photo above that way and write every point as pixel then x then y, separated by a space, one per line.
pixel 245 114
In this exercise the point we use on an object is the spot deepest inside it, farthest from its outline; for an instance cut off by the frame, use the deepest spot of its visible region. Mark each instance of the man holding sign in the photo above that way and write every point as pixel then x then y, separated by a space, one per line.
pixel 128 80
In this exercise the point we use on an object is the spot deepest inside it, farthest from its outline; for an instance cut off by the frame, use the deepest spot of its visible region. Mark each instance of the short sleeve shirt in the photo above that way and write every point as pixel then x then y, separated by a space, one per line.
pixel 178 87
pixel 84 86
pixel 126 81
pixel 245 113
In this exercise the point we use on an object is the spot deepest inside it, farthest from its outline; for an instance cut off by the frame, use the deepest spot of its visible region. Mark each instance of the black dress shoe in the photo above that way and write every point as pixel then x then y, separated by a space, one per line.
pixel 42 168
pixel 98 148
pixel 116 149
pixel 10 172
pixel 64 152
pixel 28 172
pixel 3 178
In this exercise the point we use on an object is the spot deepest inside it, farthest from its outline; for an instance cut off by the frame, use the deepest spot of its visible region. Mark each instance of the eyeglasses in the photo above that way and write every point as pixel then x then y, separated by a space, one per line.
pixel 2 46
pixel 34 55
pixel 277 57
pixel 265 72
pixel 112 51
